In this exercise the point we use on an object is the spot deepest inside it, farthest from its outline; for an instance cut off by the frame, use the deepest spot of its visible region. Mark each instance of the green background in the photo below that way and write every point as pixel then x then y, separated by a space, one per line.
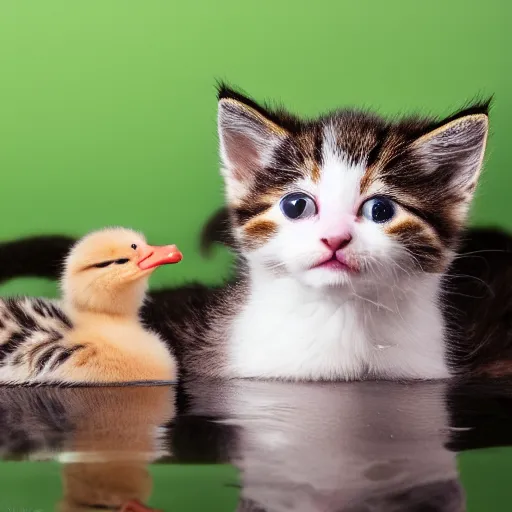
pixel 108 114
pixel 175 488
pixel 108 107
pixel 485 475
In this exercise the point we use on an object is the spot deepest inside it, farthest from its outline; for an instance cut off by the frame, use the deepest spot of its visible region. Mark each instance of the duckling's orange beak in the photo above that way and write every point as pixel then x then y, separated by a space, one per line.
pixel 155 256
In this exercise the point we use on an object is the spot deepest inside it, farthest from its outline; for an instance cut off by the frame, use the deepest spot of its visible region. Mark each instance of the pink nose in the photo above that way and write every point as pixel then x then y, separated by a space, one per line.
pixel 335 243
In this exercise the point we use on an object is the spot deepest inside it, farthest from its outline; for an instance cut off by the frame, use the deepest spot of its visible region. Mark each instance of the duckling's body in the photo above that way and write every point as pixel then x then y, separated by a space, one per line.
pixel 94 334
pixel 114 349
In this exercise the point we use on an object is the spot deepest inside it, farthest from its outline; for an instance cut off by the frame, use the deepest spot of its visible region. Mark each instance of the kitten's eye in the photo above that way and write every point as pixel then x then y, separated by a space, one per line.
pixel 298 206
pixel 134 246
pixel 378 209
pixel 122 261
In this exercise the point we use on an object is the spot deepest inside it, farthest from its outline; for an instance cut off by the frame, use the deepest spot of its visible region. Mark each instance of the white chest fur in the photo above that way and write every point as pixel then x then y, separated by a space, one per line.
pixel 289 331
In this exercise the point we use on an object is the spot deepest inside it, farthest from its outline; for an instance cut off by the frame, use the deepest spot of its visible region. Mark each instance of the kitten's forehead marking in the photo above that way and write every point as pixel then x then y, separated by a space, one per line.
pixel 390 147
pixel 314 170
pixel 340 179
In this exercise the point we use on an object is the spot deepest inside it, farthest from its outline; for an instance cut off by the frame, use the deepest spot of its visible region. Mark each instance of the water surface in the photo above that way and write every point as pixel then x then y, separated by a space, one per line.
pixel 259 446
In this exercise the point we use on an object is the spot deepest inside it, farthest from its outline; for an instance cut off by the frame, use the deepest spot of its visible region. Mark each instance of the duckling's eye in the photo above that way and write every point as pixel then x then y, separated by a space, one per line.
pixel 103 264
pixel 134 246
pixel 122 261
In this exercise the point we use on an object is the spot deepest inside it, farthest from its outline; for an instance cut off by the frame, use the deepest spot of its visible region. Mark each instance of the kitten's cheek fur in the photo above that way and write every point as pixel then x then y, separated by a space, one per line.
pixel 300 247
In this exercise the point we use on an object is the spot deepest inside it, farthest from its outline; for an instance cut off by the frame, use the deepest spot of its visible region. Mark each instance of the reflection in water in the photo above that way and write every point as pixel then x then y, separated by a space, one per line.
pixel 357 447
pixel 336 447
pixel 104 438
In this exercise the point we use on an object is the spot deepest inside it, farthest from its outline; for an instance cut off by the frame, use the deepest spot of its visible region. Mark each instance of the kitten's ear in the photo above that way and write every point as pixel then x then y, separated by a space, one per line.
pixel 247 141
pixel 454 151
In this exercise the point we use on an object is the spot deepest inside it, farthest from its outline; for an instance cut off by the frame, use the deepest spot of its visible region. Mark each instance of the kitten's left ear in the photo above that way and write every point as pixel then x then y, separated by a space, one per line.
pixel 453 152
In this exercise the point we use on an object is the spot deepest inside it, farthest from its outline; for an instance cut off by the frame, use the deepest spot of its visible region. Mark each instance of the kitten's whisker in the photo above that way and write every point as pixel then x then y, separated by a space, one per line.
pixel 482 251
pixel 414 257
pixel 487 285
pixel 460 294
pixel 273 265
pixel 396 304
pixel 376 304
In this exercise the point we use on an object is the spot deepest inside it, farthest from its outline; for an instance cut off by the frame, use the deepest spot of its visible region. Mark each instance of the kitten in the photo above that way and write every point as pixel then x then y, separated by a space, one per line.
pixel 345 228
pixel 346 224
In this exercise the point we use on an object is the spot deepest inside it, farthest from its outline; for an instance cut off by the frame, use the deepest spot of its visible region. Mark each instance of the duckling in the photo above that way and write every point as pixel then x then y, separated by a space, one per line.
pixel 94 334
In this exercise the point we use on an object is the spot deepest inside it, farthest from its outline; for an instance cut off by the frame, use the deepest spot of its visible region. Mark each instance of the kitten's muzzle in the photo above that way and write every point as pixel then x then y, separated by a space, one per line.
pixel 338 262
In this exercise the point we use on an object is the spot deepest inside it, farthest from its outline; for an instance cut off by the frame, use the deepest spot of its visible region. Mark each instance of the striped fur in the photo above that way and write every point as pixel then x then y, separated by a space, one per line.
pixel 373 310
pixel 429 167
pixel 32 334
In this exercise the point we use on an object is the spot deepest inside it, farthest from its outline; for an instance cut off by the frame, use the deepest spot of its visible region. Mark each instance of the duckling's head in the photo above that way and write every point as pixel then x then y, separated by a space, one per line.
pixel 107 271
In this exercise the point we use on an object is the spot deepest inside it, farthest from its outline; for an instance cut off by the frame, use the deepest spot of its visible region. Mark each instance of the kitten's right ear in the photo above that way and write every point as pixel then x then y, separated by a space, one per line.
pixel 247 141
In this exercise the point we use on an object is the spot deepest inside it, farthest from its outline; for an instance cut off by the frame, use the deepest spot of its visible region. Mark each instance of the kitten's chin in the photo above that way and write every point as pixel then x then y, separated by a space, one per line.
pixel 325 278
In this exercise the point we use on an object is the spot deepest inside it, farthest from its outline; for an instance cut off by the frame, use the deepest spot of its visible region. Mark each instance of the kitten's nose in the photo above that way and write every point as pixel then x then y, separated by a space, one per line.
pixel 335 243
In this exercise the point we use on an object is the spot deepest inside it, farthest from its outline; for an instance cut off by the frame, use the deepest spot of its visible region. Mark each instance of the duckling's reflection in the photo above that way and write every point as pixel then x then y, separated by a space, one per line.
pixel 104 437
pixel 335 447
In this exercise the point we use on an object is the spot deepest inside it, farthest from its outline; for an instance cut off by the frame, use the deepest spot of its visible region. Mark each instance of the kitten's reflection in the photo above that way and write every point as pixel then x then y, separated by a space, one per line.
pixel 104 438
pixel 335 447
